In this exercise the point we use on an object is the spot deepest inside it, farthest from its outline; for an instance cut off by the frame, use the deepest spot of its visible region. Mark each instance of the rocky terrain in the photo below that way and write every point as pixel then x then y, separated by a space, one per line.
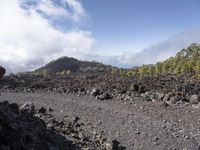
pixel 24 128
pixel 91 106
pixel 151 113
pixel 169 89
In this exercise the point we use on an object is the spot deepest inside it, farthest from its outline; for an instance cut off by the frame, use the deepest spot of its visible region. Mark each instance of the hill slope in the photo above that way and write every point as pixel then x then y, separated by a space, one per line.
pixel 186 61
pixel 73 65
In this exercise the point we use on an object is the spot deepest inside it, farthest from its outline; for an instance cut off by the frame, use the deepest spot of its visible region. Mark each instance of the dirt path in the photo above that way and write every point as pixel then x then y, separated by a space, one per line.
pixel 137 124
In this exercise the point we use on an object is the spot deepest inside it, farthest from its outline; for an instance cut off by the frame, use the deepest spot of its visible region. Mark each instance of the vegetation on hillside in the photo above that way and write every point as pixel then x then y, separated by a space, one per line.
pixel 45 73
pixel 185 61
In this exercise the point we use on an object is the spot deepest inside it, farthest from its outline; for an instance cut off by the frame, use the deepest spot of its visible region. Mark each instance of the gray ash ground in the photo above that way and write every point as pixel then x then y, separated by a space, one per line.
pixel 154 113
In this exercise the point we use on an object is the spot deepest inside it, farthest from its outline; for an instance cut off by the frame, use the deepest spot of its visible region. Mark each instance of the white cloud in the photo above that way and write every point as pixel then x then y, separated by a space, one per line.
pixel 162 50
pixel 76 12
pixel 28 40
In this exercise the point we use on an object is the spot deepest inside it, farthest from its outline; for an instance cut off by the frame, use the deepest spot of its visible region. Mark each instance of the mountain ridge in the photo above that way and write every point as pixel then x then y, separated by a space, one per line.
pixel 73 65
pixel 185 61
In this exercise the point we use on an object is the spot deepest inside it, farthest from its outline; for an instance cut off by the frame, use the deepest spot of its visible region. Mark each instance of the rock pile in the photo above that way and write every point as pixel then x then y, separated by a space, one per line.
pixel 21 130
pixel 175 89
pixel 24 129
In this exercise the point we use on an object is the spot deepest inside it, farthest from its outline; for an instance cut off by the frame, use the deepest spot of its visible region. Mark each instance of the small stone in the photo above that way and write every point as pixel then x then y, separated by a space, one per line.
pixel 95 132
pixel 155 140
pixel 186 137
pixel 137 132
pixel 42 110
pixel 95 92
pixel 28 108
pixel 81 135
pixel 109 146
pixel 130 122
pixel 135 87
pixel 75 120
pixel 50 109
pixel 104 96
pixel 141 89
pixel 165 104
pixel 196 106
pixel 160 96
pixel 115 145
pixel 166 97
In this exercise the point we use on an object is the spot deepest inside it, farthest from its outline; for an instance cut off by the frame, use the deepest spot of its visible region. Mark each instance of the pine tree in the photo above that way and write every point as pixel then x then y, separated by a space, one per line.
pixel 130 73
pixel 114 70
pixel 195 55
pixel 166 67
pixel 143 70
pixel 151 70
pixel 198 66
pixel 159 66
pixel 45 73
pixel 185 68
pixel 178 67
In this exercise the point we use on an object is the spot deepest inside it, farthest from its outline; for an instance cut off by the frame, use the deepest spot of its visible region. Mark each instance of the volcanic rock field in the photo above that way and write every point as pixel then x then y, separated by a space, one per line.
pixel 99 111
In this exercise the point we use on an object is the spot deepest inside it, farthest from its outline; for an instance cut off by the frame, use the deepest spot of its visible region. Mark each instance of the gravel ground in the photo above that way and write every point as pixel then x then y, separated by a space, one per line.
pixel 136 124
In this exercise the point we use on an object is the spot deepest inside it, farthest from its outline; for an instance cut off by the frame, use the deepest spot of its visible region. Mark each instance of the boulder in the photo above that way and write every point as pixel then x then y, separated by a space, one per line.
pixel 2 71
pixel 22 131
pixel 166 97
pixel 160 96
pixel 194 99
pixel 95 92
pixel 141 89
pixel 135 87
pixel 42 110
pixel 104 96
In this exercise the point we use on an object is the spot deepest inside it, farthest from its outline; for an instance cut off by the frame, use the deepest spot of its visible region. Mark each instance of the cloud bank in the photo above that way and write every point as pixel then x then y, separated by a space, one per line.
pixel 162 50
pixel 28 38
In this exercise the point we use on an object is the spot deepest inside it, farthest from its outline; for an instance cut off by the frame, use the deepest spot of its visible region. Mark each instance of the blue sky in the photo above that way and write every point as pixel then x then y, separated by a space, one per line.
pixel 123 33
pixel 131 25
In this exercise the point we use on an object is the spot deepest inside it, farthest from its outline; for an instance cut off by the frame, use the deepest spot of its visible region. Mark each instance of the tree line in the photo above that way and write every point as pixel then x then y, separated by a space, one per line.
pixel 185 61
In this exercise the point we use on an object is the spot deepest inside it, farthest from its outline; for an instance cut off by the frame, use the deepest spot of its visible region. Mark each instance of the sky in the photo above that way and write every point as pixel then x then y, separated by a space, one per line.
pixel 124 33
